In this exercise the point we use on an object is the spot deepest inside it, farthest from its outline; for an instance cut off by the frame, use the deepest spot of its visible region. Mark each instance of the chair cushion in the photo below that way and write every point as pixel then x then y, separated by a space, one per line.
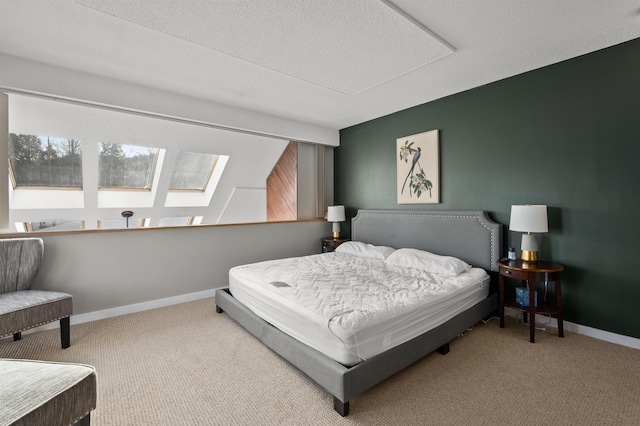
pixel 35 392
pixel 21 310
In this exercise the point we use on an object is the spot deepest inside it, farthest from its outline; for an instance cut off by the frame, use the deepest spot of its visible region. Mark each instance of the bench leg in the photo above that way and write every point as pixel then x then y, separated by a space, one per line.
pixel 17 336
pixel 65 332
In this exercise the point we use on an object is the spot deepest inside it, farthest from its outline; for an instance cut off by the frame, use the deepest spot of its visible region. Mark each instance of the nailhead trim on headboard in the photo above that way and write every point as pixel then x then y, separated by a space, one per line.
pixel 481 217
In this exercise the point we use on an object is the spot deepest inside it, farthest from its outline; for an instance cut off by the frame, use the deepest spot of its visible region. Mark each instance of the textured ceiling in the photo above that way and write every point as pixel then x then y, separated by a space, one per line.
pixel 333 63
pixel 346 46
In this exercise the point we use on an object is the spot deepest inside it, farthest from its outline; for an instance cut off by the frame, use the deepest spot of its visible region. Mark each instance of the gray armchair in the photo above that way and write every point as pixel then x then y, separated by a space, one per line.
pixel 20 307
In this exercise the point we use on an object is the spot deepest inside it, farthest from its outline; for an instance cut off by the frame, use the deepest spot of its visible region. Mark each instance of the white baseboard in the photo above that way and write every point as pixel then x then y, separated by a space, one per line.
pixel 128 309
pixel 139 307
pixel 607 336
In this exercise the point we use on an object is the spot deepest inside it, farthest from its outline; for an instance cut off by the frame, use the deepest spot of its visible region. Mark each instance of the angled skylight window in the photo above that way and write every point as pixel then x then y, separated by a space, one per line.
pixel 126 166
pixel 50 225
pixel 45 162
pixel 192 171
pixel 202 197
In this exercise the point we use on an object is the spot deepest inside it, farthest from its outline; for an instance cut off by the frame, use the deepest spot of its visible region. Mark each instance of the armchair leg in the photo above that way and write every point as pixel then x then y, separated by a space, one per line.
pixel 65 332
pixel 17 336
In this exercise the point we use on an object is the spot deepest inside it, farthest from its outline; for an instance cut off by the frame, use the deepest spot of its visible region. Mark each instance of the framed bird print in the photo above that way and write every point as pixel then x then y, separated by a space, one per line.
pixel 418 171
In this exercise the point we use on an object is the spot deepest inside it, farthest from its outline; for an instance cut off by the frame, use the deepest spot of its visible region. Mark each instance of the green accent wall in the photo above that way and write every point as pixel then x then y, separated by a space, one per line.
pixel 566 135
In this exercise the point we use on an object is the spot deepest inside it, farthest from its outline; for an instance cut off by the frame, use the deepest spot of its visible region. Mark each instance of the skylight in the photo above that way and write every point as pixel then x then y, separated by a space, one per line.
pixel 43 161
pixel 192 171
pixel 126 166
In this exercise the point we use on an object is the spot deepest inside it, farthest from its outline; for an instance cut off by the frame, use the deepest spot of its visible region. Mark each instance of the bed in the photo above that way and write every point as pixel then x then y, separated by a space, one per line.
pixel 467 235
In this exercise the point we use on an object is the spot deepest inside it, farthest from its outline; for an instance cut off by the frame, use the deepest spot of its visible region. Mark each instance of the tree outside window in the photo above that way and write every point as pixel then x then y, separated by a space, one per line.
pixel 43 161
pixel 126 166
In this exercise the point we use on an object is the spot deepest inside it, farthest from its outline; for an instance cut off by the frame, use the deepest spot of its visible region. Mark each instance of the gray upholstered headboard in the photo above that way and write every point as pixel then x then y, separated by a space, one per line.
pixel 467 235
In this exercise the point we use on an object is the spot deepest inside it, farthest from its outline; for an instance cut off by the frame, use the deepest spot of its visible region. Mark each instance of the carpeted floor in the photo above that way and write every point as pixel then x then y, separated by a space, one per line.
pixel 187 365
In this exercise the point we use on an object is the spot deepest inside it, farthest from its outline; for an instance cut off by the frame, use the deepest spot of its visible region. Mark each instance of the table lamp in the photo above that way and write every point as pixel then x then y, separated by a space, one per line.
pixel 530 219
pixel 335 214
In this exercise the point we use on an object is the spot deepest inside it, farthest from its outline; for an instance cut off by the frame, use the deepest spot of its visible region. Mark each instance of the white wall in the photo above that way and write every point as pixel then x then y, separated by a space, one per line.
pixel 25 75
pixel 109 269
pixel 4 158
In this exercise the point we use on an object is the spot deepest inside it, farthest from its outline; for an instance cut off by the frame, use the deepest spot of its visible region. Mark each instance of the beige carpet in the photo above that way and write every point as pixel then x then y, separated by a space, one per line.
pixel 187 365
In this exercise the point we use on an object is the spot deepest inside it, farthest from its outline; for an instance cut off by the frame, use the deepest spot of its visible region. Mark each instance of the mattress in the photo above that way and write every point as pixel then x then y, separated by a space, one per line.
pixel 352 308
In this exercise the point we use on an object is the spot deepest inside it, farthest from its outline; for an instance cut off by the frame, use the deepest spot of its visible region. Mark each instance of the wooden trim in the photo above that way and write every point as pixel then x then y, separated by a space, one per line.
pixel 151 228
pixel 282 186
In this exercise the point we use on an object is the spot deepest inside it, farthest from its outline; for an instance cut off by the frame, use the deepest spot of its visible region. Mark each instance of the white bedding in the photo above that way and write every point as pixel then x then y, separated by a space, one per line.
pixel 349 307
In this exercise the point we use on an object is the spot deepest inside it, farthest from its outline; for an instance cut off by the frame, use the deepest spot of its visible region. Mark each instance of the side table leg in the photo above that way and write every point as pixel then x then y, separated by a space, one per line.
pixel 532 310
pixel 559 307
pixel 501 300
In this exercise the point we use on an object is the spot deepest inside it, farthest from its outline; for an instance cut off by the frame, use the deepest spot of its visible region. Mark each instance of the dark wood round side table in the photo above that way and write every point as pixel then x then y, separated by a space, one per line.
pixel 531 272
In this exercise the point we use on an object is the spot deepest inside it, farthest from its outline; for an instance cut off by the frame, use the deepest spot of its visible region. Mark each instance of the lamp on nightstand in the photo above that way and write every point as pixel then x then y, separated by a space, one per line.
pixel 336 215
pixel 530 219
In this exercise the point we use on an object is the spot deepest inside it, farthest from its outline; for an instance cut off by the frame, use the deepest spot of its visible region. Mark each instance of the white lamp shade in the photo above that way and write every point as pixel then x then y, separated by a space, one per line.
pixel 335 214
pixel 529 218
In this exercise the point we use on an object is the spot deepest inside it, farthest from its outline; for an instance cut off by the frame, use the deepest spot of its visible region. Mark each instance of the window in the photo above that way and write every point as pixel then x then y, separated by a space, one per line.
pixel 126 166
pixel 50 225
pixel 192 171
pixel 76 164
pixel 122 223
pixel 176 221
pixel 43 161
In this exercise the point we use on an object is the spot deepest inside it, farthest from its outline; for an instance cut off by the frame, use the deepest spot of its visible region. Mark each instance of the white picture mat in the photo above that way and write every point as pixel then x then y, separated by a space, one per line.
pixel 418 170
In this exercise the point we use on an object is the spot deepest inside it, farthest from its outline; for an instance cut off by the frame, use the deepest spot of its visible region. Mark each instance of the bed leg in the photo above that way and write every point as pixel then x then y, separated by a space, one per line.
pixel 341 407
pixel 444 349
pixel 218 309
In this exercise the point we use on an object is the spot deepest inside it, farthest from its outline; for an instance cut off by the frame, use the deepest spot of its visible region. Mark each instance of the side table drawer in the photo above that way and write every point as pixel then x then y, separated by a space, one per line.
pixel 519 275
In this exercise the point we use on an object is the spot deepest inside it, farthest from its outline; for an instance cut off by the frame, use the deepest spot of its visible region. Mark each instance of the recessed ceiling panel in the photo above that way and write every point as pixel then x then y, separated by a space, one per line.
pixel 347 46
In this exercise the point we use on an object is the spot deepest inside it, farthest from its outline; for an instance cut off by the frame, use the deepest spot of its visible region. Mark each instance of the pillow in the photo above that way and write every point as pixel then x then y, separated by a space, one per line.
pixel 360 249
pixel 428 262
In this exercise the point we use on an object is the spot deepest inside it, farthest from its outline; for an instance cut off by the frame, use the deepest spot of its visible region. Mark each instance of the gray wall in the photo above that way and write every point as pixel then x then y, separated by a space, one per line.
pixel 567 135
pixel 111 269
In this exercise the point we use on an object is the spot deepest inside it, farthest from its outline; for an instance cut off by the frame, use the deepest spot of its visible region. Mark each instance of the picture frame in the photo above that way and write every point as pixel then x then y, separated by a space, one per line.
pixel 418 168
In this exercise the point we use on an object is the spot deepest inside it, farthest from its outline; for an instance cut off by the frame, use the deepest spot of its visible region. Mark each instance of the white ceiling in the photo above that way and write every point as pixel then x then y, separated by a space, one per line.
pixel 333 63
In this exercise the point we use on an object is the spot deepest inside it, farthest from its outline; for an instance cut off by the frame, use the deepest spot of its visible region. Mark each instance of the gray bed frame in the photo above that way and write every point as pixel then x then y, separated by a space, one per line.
pixel 469 235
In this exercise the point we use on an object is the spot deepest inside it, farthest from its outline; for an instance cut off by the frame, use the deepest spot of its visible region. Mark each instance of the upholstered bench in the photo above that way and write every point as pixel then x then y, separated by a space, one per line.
pixel 22 310
pixel 35 393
